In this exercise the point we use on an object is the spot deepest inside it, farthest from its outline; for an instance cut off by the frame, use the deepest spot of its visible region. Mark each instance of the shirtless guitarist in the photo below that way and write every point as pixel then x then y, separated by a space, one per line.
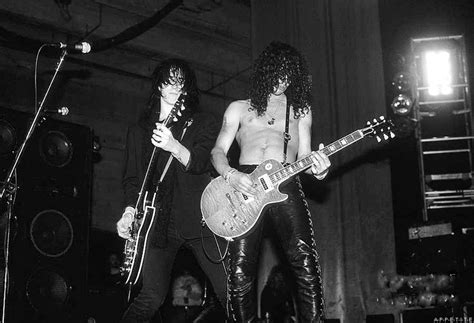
pixel 280 91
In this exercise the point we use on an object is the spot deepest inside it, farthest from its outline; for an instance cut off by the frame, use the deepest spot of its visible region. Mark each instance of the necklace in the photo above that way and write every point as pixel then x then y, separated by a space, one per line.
pixel 271 122
pixel 276 102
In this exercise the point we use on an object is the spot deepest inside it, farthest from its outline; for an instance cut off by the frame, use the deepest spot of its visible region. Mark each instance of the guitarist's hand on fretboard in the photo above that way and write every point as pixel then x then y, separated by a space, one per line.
pixel 125 223
pixel 321 163
pixel 163 138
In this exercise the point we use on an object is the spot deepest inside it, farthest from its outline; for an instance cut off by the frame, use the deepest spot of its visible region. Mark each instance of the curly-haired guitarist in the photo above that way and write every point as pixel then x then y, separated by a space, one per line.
pixel 274 123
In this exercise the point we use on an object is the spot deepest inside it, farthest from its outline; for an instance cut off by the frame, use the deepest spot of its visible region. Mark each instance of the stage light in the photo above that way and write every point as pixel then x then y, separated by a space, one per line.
pixel 438 72
pixel 402 105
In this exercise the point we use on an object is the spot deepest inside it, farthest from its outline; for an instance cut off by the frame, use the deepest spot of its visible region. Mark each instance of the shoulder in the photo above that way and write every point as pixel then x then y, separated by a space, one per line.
pixel 203 123
pixel 239 106
pixel 237 109
pixel 203 118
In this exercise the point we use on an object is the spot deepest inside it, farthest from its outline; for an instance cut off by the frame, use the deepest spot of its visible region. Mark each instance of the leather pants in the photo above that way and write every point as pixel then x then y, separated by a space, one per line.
pixel 292 227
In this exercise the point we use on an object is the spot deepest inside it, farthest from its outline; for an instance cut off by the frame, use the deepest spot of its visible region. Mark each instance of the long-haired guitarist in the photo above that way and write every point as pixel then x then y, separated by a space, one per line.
pixel 280 91
pixel 177 216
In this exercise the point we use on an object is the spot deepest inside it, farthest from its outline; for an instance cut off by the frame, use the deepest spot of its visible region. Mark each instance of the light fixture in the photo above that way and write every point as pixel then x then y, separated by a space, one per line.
pixel 402 105
pixel 438 72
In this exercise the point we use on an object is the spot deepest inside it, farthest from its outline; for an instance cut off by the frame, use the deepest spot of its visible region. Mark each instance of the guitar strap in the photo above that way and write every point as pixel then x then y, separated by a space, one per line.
pixel 286 134
pixel 170 159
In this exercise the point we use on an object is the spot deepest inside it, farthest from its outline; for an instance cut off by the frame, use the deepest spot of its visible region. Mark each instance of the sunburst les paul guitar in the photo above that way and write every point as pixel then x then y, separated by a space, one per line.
pixel 145 209
pixel 231 214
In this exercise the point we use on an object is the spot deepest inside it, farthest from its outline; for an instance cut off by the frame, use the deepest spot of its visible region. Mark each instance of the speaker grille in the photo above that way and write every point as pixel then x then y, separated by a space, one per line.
pixel 8 137
pixel 56 149
pixel 47 291
pixel 51 233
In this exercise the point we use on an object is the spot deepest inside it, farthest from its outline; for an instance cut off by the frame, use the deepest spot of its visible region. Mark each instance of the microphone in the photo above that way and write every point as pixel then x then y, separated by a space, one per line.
pixel 64 111
pixel 82 47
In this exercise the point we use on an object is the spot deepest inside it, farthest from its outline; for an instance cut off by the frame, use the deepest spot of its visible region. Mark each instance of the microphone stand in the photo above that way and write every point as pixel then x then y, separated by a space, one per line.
pixel 9 189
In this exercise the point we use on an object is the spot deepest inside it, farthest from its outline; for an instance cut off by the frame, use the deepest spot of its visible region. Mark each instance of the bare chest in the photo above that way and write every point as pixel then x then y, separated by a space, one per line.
pixel 261 137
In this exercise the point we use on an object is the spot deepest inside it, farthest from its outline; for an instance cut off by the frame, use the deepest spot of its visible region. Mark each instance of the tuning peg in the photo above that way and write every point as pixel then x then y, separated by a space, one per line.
pixel 392 135
pixel 368 123
pixel 183 108
pixel 175 119
pixel 375 121
pixel 385 137
pixel 382 118
pixel 179 113
pixel 378 139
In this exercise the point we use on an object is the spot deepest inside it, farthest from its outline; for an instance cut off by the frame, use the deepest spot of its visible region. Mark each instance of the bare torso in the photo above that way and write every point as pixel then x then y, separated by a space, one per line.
pixel 259 140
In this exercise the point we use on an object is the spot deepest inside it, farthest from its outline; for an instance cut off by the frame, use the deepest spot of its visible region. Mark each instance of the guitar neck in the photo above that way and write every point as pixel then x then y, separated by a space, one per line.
pixel 304 163
pixel 148 175
pixel 150 170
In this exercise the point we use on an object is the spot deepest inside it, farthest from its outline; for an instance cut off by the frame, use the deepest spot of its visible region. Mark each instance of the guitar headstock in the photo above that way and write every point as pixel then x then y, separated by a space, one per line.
pixel 176 110
pixel 380 128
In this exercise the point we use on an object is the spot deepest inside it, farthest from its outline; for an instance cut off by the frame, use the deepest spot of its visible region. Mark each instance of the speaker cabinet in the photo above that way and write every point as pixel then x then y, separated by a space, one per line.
pixel 49 246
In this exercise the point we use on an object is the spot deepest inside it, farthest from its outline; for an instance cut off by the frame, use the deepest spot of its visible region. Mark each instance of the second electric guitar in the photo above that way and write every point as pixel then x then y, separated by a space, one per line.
pixel 231 214
pixel 145 208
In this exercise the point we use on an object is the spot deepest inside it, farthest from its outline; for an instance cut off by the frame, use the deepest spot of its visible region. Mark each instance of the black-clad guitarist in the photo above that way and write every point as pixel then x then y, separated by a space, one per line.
pixel 174 204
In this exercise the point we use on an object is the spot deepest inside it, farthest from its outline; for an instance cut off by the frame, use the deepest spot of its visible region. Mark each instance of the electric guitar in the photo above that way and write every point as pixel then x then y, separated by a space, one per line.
pixel 145 209
pixel 231 214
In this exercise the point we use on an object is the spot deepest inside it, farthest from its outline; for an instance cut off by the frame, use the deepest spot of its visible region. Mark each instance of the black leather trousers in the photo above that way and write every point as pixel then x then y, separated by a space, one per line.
pixel 291 222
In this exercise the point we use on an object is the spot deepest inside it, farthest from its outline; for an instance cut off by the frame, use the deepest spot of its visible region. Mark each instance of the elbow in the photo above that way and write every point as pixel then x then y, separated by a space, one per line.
pixel 216 152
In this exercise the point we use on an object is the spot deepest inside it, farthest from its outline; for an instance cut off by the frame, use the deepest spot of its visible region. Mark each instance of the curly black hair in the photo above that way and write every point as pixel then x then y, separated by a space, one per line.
pixel 163 74
pixel 280 61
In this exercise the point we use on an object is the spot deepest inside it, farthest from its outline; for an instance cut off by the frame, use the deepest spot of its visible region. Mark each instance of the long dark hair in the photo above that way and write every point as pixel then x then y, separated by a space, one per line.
pixel 163 75
pixel 280 61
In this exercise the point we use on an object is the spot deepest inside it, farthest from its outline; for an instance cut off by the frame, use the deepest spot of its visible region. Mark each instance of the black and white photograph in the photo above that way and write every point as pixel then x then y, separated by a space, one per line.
pixel 248 161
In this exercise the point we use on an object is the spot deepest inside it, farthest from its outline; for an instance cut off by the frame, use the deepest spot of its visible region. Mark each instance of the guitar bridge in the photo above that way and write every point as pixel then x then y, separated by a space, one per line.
pixel 229 198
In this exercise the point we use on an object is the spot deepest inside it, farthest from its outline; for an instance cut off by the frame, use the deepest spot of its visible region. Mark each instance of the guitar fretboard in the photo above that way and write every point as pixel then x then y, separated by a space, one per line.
pixel 304 163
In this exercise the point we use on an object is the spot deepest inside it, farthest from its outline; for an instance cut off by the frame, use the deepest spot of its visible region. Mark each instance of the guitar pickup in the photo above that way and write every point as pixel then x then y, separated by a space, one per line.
pixel 264 185
pixel 247 199
pixel 266 182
